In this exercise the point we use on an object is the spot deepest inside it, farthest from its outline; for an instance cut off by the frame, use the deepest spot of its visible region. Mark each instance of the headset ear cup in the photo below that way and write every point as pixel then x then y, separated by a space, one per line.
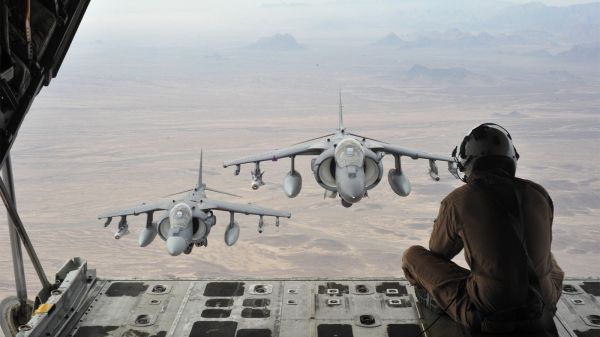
pixel 463 145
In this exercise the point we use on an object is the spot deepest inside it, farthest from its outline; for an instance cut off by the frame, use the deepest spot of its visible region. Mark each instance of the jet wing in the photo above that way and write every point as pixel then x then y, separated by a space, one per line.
pixel 208 204
pixel 401 151
pixel 314 148
pixel 143 208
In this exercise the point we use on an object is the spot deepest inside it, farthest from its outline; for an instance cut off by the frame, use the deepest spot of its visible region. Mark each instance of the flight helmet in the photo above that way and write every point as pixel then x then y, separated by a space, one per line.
pixel 486 145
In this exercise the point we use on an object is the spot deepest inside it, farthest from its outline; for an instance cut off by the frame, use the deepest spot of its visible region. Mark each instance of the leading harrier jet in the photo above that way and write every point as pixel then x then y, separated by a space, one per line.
pixel 346 164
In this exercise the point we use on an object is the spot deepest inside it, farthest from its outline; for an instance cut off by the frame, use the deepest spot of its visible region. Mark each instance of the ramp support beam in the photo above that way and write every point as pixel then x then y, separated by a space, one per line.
pixel 16 225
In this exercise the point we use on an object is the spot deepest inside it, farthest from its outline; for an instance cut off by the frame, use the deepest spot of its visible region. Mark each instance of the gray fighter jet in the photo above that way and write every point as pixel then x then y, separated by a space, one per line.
pixel 347 164
pixel 186 222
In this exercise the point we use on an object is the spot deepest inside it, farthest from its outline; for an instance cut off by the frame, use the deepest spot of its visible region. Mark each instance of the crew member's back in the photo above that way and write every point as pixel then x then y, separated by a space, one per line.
pixel 504 225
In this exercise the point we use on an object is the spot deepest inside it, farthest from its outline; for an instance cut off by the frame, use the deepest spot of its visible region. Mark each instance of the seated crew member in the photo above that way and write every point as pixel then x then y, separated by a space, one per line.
pixel 504 225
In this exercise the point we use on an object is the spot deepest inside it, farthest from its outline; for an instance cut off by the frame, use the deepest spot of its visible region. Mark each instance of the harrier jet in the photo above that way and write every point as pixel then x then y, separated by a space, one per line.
pixel 346 164
pixel 186 222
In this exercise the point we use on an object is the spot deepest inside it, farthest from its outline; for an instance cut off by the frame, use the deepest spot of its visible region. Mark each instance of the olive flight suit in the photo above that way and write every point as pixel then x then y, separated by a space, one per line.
pixel 477 217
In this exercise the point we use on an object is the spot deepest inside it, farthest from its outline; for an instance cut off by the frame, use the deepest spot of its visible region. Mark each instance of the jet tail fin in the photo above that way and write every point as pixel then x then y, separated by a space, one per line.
pixel 200 172
pixel 341 120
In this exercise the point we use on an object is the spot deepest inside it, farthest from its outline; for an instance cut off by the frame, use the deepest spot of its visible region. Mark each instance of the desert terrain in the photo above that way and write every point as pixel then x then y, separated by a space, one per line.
pixel 122 125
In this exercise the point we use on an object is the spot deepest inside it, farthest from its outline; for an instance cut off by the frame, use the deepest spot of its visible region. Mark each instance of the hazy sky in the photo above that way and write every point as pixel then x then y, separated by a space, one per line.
pixel 148 20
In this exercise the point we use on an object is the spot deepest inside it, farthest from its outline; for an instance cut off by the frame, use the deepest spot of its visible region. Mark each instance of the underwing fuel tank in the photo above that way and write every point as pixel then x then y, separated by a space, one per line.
pixel 147 235
pixel 292 184
pixel 232 233
pixel 399 182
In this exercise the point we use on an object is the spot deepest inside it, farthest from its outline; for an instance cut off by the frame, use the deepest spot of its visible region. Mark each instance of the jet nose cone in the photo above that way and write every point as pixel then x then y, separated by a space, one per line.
pixel 176 245
pixel 352 196
pixel 350 183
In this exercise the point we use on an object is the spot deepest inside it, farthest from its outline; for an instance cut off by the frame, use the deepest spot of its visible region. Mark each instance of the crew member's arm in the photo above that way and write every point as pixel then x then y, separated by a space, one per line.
pixel 557 275
pixel 444 239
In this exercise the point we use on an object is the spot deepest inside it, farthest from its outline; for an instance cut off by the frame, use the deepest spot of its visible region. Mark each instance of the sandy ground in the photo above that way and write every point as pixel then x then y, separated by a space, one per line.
pixel 115 131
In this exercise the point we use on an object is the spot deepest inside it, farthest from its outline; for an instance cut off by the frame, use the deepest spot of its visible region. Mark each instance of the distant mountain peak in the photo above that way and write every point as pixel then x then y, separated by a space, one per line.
pixel 390 40
pixel 419 70
pixel 455 75
pixel 582 52
pixel 277 42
